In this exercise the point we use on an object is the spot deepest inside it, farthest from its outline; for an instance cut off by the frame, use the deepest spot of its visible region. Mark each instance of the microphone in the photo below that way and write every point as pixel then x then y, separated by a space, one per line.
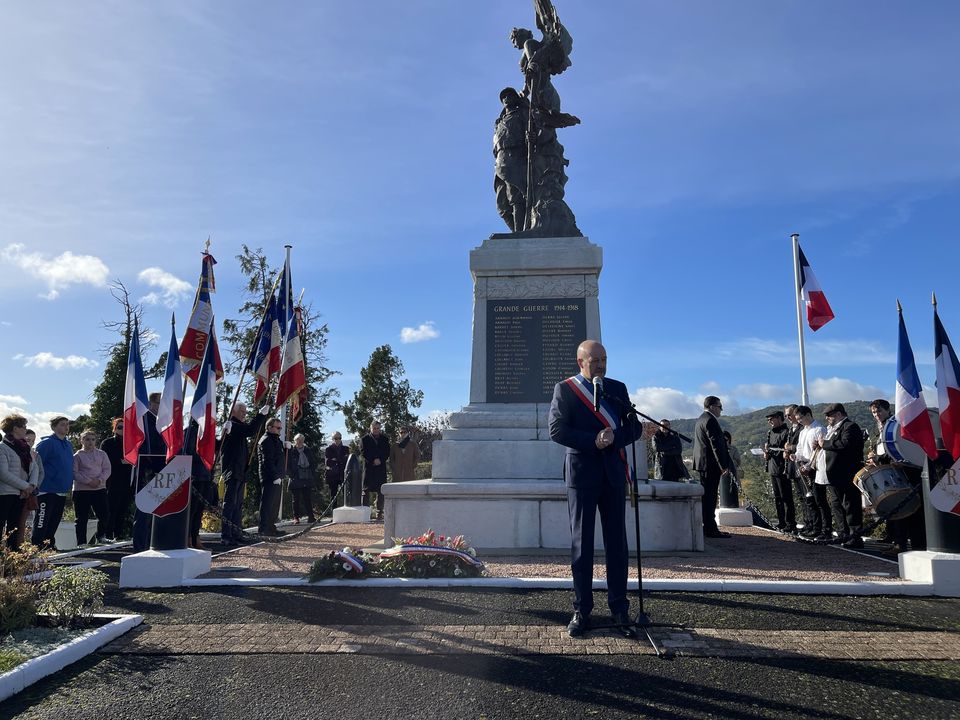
pixel 597 392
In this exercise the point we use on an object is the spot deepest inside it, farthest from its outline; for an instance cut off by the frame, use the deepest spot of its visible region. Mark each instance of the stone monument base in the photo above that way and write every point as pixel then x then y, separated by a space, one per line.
pixel 515 515
pixel 163 568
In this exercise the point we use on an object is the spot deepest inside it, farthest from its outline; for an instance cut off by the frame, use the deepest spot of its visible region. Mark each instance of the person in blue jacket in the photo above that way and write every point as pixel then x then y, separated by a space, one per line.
pixel 56 454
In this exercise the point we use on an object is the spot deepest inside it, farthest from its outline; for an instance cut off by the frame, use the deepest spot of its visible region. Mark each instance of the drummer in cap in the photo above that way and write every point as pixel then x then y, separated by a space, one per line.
pixel 912 528
pixel 843 455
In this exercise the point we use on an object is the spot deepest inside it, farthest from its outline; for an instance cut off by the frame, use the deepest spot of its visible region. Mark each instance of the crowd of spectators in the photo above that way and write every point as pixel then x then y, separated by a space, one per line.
pixel 37 482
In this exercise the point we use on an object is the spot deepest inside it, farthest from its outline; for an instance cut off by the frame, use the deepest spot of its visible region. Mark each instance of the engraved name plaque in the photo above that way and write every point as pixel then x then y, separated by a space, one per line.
pixel 531 346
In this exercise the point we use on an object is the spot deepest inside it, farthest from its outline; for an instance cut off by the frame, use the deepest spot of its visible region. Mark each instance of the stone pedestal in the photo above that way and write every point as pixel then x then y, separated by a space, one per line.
pixel 497 476
pixel 508 515
pixel 941 569
pixel 163 568
pixel 733 517
pixel 348 514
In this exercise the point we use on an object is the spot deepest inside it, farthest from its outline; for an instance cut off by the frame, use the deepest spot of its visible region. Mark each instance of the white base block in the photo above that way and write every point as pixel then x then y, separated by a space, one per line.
pixel 535 515
pixel 938 568
pixel 163 568
pixel 734 517
pixel 354 514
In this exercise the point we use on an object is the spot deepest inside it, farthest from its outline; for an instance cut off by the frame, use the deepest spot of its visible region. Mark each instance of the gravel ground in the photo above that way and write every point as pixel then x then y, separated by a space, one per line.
pixel 751 554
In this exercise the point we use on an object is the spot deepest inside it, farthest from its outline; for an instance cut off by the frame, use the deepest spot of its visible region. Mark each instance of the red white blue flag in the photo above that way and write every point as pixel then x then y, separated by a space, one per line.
pixel 948 387
pixel 819 312
pixel 912 413
pixel 198 329
pixel 292 368
pixel 170 412
pixel 265 360
pixel 134 401
pixel 203 408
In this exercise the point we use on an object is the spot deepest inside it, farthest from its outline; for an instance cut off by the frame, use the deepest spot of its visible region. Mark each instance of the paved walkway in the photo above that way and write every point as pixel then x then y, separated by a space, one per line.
pixel 751 554
pixel 249 638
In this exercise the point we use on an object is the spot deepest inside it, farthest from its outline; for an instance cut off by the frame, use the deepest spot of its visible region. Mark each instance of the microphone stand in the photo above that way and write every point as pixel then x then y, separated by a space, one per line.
pixel 642 620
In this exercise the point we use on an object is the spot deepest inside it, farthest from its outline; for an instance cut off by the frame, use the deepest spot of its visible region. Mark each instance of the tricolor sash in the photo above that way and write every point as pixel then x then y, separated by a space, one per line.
pixel 607 414
pixel 583 389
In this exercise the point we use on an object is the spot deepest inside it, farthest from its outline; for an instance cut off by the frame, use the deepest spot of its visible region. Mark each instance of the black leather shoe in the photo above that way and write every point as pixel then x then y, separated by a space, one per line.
pixel 579 625
pixel 623 625
pixel 715 534
pixel 854 543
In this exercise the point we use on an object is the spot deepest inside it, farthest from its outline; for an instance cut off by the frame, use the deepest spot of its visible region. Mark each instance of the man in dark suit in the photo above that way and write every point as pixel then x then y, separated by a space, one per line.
pixel 843 455
pixel 596 473
pixel 712 460
pixel 234 453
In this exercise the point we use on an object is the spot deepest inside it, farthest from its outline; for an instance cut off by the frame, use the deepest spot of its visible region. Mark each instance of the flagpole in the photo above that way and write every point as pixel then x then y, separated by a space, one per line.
pixel 795 239
pixel 243 371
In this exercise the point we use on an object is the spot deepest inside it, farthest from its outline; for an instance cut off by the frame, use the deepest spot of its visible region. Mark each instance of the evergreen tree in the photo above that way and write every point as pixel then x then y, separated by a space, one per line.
pixel 384 395
pixel 238 336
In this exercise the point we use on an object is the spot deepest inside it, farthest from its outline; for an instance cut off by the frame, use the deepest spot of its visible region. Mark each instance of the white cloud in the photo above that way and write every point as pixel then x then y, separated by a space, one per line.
pixel 766 391
pixel 49 360
pixel 39 422
pixel 57 272
pixel 79 409
pixel 661 402
pixel 171 289
pixel 837 389
pixel 819 352
pixel 426 331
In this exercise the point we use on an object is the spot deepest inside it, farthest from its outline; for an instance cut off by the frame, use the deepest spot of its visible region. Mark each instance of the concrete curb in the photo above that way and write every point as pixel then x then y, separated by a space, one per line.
pixel 786 587
pixel 38 668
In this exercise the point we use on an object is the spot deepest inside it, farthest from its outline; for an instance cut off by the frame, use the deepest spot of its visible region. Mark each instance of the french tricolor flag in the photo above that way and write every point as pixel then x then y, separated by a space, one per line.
pixel 948 387
pixel 292 370
pixel 134 401
pixel 819 312
pixel 265 362
pixel 170 413
pixel 912 414
pixel 204 403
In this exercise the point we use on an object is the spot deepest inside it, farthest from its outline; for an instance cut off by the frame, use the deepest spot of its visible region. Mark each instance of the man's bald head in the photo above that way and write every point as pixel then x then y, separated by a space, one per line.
pixel 592 359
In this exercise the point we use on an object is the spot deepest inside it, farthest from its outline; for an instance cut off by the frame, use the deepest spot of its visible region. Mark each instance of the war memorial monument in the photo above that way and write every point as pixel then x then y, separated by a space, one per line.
pixel 497 476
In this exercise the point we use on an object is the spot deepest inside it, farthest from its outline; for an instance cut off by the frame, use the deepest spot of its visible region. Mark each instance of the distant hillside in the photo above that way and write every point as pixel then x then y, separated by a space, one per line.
pixel 750 429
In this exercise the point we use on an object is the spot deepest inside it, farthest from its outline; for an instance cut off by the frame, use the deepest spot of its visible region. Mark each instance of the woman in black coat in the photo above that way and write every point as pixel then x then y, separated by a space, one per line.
pixel 302 471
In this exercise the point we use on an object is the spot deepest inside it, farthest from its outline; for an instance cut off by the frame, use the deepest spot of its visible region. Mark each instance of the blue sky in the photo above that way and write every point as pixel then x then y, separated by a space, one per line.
pixel 360 133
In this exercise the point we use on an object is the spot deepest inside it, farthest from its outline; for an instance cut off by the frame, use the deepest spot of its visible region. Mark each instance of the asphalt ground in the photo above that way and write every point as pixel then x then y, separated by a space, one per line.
pixel 411 685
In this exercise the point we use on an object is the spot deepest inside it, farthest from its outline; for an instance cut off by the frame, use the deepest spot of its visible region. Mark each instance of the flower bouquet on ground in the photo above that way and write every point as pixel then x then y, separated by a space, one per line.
pixel 349 563
pixel 430 555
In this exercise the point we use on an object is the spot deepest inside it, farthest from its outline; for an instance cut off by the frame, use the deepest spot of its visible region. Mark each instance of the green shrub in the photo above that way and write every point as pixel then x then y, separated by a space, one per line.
pixel 18 606
pixel 71 594
pixel 9 659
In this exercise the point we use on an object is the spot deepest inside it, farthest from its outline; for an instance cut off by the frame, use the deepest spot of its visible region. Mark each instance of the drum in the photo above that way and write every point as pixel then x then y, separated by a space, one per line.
pixel 885 486
pixel 901 450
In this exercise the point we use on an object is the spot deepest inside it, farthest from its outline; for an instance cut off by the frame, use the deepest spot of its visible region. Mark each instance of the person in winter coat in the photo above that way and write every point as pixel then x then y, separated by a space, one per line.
pixel 270 452
pixel 119 484
pixel 302 471
pixel 375 449
pixel 203 493
pixel 91 469
pixel 335 459
pixel 56 453
pixel 18 477
pixel 234 451
pixel 404 456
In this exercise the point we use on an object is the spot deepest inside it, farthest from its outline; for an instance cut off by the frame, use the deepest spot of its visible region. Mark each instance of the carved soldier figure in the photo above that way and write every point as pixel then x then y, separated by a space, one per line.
pixel 544 212
pixel 510 153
